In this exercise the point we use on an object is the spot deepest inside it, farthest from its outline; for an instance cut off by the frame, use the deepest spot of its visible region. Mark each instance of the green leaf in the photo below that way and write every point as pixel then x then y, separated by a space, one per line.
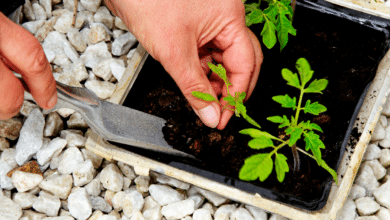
pixel 277 119
pixel 255 133
pixel 251 121
pixel 286 101
pixel 317 86
pixel 291 78
pixel 295 134
pixel 257 166
pixel 240 109
pixel 269 35
pixel 260 143
pixel 241 96
pixel 256 16
pixel 220 71
pixel 310 126
pixel 203 96
pixel 271 12
pixel 281 166
pixel 304 70
pixel 251 7
pixel 284 27
pixel 230 99
pixel 314 108
pixel 332 172
pixel 314 143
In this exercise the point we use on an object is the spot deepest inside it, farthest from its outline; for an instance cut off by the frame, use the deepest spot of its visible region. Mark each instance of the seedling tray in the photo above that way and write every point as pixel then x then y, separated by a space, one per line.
pixel 288 206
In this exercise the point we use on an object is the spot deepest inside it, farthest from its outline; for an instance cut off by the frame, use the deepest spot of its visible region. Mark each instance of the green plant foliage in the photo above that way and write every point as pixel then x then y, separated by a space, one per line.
pixel 277 19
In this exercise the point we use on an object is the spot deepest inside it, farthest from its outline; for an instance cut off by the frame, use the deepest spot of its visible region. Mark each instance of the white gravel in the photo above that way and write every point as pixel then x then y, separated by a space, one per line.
pixel 78 184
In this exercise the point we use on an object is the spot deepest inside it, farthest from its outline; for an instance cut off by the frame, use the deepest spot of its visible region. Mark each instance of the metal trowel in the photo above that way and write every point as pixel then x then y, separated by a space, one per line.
pixel 114 122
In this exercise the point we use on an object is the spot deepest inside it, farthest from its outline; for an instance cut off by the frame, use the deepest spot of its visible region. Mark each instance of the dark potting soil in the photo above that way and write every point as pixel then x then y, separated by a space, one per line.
pixel 343 52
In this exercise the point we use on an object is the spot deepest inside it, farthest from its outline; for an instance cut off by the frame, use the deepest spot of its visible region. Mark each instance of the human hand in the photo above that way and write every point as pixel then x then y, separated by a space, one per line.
pixel 184 35
pixel 21 52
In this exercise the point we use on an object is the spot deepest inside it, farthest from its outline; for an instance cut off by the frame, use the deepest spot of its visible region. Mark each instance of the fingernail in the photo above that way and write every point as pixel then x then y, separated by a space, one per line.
pixel 209 116
pixel 52 102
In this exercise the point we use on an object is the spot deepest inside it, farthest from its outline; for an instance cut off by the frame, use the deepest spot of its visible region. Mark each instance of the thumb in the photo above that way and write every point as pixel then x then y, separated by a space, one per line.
pixel 189 76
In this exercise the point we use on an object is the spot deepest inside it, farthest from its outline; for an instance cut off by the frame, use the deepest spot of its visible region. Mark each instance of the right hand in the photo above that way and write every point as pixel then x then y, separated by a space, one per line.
pixel 21 52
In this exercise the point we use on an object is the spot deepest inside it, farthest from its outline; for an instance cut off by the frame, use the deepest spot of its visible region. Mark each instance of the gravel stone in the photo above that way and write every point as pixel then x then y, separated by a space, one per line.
pixel 367 180
pixel 132 202
pixel 28 11
pixel 96 159
pixel 76 40
pixel 25 200
pixel 103 69
pixel 117 33
pixel 79 204
pixel 383 214
pixel 257 213
pixel 366 206
pixel 31 215
pixel 91 5
pixel 178 210
pixel 5 181
pixel 10 128
pixel 211 208
pixel 198 200
pixel 47 5
pixel 382 194
pixel 70 160
pixel 8 156
pixel 24 181
pixel 4 144
pixel 98 33
pixel 142 183
pixel 45 154
pixel 122 44
pixel 127 170
pixel 31 137
pixel 64 23
pixel 59 185
pixel 378 133
pixel 202 214
pixel 83 173
pixel 225 209
pixel 163 179
pixel 241 214
pixel 73 139
pixel 53 126
pixel 377 168
pixel 120 24
pixel 39 12
pixel 385 157
pixel 33 26
pixel 94 54
pixel 385 143
pixel 47 203
pixel 214 198
pixel 112 178
pixel 93 188
pixel 118 68
pixel 9 210
pixel 117 200
pixel 164 195
pixel 44 31
pixel 372 152
pixel 76 121
pixel 104 16
pixel 100 204
pixel 153 213
pixel 356 192
pixel 102 89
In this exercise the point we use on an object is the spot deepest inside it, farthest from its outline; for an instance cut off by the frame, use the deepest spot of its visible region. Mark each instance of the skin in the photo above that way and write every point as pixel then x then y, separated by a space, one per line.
pixel 182 35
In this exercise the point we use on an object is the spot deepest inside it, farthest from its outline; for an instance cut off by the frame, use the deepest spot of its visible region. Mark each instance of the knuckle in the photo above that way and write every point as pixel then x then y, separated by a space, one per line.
pixel 38 63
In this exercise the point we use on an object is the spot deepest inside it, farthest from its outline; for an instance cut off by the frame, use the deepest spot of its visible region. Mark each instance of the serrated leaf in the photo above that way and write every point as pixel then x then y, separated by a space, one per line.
pixel 251 7
pixel 295 134
pixel 314 143
pixel 281 166
pixel 241 96
pixel 332 172
pixel 203 96
pixel 251 121
pixel 291 78
pixel 220 71
pixel 230 100
pixel 271 12
pixel 240 109
pixel 247 21
pixel 310 126
pixel 260 143
pixel 257 166
pixel 284 27
pixel 255 133
pixel 269 35
pixel 256 16
pixel 286 101
pixel 277 119
pixel 304 70
pixel 317 86
pixel 314 108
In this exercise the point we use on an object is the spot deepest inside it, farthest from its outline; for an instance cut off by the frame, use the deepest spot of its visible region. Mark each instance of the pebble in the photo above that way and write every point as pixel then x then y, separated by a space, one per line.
pixel 372 152
pixel 122 44
pixel 9 210
pixel 103 69
pixel 28 11
pixel 117 200
pixel 357 192
pixel 25 200
pixel 277 217
pixel 94 54
pixel 377 168
pixel 383 214
pixel 50 55
pixel 47 5
pixel 214 198
pixel 100 204
pixel 47 203
pixel 164 195
pixel 104 16
pixel 44 31
pixel 65 112
pixel 79 204
pixel 93 188
pixel 5 181
pixel 33 26
pixel 382 194
pixel 202 214
pixel 153 213
pixel 59 185
pixel 10 128
pixel 8 156
pixel 142 183
pixel 209 207
pixel 367 180
pixel 73 139
pixel 45 154
pixel 225 209
pixel 198 200
pixel 76 40
pixel 178 210
pixel 64 22
pixel 96 159
pixel 117 33
pixel 120 24
pixel 366 206
pixel 367 218
pixel 24 181
pixel 102 89
pixel 83 173
pixel 108 195
pixel 39 12
pixel 385 143
pixel 112 178
pixel 91 5
pixel 4 144
pixel 31 137
pixel 76 121
pixel 98 33
pixel 378 133
pixel 118 69
pixel 69 4
pixel 132 202
pixel 31 215
pixel 127 170
pixel 70 160
pixel 385 157
pixel 163 179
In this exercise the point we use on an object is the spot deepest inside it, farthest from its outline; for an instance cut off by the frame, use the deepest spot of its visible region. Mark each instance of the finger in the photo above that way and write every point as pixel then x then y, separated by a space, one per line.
pixel 24 52
pixel 11 93
pixel 258 61
pixel 185 68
